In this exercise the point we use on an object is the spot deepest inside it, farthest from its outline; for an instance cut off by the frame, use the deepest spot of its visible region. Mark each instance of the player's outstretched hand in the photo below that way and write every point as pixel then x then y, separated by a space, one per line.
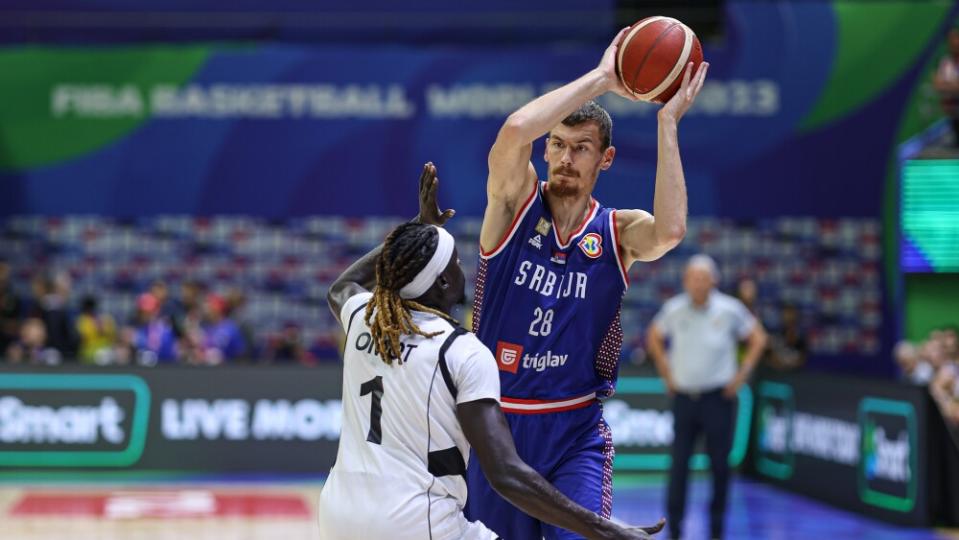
pixel 607 66
pixel 676 107
pixel 430 212
pixel 642 533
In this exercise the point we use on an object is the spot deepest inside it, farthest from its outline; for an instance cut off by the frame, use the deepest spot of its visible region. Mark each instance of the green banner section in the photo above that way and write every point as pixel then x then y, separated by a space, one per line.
pixel 877 42
pixel 39 98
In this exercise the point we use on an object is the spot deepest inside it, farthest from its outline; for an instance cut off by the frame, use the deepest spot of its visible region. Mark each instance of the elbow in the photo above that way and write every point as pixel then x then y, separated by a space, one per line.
pixel 330 298
pixel 514 128
pixel 673 235
pixel 331 293
pixel 502 485
pixel 762 339
pixel 515 122
pixel 333 296
pixel 505 479
pixel 332 303
pixel 652 337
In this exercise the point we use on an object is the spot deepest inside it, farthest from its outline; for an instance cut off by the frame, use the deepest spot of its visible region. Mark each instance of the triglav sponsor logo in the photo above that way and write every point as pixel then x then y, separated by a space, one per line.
pixel 507 355
pixel 540 362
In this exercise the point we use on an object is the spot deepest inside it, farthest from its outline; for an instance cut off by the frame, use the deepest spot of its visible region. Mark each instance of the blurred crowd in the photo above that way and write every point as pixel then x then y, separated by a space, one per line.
pixel 934 362
pixel 787 347
pixel 197 327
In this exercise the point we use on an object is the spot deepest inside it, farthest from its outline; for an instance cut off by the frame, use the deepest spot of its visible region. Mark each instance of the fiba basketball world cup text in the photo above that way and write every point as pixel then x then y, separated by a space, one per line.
pixel 97 101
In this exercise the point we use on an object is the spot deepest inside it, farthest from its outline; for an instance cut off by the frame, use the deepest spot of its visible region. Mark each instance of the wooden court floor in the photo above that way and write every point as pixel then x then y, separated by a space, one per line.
pixel 275 511
pixel 159 512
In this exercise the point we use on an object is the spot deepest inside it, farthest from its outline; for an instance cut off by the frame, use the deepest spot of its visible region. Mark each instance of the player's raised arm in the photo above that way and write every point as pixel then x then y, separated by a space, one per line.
pixel 645 237
pixel 510 172
pixel 361 275
pixel 487 431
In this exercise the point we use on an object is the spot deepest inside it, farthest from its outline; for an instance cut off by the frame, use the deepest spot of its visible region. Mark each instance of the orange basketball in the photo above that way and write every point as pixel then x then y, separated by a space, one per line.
pixel 652 56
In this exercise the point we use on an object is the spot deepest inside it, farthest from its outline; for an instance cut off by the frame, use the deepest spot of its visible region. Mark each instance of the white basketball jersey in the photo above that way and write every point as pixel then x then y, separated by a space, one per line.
pixel 401 464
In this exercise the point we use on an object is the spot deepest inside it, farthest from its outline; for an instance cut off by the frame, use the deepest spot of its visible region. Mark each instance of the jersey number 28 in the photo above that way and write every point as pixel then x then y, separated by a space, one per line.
pixel 542 323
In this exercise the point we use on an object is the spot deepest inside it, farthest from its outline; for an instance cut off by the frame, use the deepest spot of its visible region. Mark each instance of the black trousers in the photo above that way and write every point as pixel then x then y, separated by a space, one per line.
pixel 712 414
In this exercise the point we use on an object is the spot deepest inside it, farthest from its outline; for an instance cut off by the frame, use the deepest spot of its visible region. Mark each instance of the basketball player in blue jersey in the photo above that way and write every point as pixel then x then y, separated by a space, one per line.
pixel 552 273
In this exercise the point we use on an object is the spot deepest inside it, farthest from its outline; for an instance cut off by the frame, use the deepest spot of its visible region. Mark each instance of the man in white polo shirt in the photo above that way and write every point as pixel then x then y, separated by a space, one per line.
pixel 704 327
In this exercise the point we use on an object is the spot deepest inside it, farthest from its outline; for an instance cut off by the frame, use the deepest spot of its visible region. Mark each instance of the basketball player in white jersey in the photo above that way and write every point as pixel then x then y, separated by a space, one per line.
pixel 418 390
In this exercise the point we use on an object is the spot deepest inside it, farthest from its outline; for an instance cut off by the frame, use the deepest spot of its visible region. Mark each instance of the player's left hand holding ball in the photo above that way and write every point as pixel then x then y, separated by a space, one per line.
pixel 676 107
pixel 430 212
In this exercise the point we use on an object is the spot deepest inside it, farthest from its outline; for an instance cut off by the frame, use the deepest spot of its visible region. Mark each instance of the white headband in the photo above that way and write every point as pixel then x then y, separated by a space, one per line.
pixel 427 276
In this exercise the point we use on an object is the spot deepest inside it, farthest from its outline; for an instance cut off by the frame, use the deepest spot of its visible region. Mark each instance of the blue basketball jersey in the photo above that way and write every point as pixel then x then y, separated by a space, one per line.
pixel 548 307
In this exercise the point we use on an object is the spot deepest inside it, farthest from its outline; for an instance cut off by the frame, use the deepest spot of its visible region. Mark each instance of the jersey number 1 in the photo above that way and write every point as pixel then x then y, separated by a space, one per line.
pixel 374 386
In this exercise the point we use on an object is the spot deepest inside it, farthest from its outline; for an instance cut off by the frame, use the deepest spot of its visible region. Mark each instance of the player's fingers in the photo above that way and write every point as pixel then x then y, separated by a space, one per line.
pixel 687 76
pixel 616 41
pixel 701 76
pixel 655 528
pixel 620 35
pixel 424 176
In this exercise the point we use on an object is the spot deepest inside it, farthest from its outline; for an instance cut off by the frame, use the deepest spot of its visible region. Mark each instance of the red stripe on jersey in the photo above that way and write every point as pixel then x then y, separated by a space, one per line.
pixel 539 406
pixel 593 206
pixel 513 225
pixel 616 248
pixel 507 409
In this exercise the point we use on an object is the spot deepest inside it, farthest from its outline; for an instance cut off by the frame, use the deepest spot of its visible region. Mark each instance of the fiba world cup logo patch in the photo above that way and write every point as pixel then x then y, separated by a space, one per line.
pixel 592 245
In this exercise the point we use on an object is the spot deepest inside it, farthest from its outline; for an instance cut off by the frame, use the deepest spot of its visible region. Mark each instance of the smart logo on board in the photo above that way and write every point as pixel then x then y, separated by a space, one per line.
pixel 776 407
pixel 72 420
pixel 888 454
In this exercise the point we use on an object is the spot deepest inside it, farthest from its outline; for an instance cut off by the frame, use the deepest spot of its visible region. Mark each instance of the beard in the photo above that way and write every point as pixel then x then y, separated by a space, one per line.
pixel 570 185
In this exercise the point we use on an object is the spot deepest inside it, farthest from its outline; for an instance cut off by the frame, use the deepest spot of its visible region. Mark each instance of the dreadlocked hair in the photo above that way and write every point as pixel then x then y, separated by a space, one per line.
pixel 406 251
